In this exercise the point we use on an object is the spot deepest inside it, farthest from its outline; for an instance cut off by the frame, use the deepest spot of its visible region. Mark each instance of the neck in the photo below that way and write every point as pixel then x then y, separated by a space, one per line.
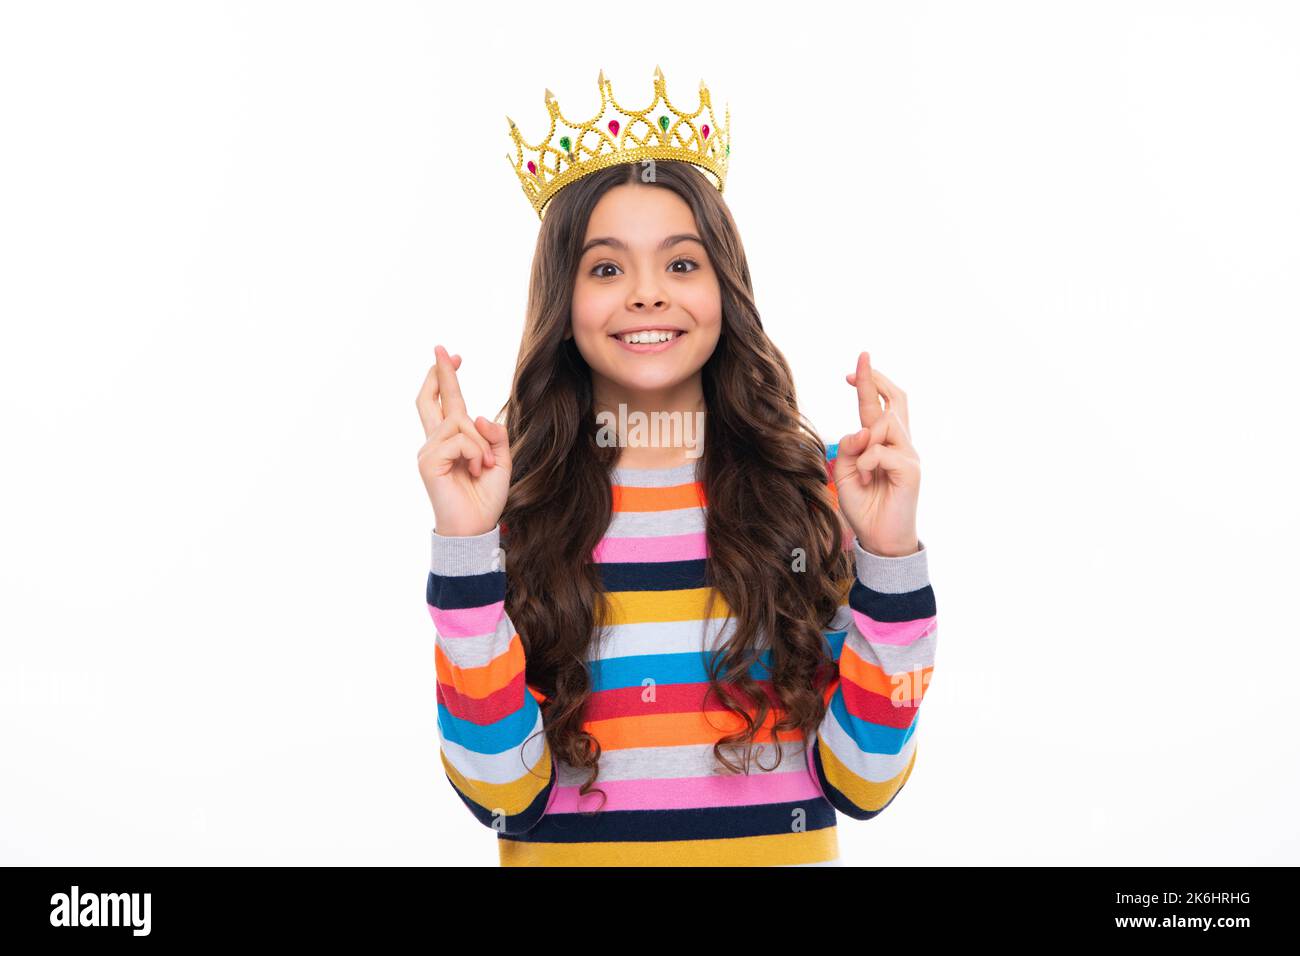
pixel 653 439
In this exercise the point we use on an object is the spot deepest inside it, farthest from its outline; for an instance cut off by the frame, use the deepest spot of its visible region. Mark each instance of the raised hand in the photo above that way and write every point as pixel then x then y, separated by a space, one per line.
pixel 877 472
pixel 465 463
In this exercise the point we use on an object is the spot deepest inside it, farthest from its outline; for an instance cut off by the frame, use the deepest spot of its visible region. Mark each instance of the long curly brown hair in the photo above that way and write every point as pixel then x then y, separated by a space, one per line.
pixel 764 478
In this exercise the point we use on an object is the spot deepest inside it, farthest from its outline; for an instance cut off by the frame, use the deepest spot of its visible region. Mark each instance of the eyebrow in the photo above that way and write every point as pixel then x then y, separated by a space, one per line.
pixel 620 244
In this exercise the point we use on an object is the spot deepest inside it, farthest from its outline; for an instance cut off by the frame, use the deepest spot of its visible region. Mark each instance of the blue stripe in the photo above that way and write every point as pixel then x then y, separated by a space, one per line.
pixel 689 667
pixel 505 734
pixel 870 737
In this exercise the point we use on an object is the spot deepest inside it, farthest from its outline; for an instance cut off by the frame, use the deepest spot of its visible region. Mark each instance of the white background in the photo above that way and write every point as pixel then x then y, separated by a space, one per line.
pixel 231 234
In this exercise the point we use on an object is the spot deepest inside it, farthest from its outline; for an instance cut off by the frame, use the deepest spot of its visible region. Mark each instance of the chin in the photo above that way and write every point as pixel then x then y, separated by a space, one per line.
pixel 640 373
pixel 648 383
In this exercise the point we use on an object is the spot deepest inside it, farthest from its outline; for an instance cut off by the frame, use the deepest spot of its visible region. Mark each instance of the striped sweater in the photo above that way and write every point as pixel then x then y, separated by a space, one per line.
pixel 667 801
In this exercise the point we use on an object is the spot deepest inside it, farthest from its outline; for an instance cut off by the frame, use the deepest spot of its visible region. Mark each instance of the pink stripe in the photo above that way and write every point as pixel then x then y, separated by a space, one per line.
pixel 893 632
pixel 673 547
pixel 682 793
pixel 812 763
pixel 467 621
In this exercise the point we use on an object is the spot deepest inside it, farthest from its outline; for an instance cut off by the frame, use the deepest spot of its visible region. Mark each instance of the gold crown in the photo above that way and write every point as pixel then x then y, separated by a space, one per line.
pixel 617 135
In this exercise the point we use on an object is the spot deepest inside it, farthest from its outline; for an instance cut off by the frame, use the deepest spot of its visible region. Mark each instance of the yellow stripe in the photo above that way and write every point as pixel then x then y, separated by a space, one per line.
pixel 863 793
pixel 779 849
pixel 643 607
pixel 508 798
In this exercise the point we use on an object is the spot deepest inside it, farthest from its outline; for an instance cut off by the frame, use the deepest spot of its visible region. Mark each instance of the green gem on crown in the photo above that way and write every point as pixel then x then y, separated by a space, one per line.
pixel 663 123
pixel 564 143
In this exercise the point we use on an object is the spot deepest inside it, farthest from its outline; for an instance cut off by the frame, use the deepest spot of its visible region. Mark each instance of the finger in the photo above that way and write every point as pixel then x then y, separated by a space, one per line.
pixel 426 403
pixel 853 444
pixel 489 454
pixel 448 386
pixel 462 425
pixel 895 397
pixel 868 398
pixel 897 465
pixel 850 447
pixel 888 430
pixel 498 438
pixel 460 446
pixel 444 450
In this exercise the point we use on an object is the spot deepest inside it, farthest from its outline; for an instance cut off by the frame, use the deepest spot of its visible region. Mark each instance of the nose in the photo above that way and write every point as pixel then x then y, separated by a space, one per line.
pixel 647 295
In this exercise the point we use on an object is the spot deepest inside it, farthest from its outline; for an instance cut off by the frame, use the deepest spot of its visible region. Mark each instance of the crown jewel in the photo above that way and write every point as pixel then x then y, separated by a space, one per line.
pixel 572 149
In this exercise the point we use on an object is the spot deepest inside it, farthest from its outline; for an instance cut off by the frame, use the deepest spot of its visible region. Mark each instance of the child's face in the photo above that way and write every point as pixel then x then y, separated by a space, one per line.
pixel 638 283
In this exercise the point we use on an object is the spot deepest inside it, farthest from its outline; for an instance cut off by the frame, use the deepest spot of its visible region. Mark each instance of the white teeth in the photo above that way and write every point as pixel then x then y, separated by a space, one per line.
pixel 649 338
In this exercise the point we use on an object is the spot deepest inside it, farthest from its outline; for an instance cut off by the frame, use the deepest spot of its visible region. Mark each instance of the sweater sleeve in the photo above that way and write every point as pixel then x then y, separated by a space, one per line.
pixel 884 639
pixel 491 739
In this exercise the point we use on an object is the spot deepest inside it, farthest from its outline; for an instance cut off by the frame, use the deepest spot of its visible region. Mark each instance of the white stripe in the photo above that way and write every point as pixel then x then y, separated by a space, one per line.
pixel 661 637
pixel 656 524
pixel 505 767
pixel 877 768
pixel 477 650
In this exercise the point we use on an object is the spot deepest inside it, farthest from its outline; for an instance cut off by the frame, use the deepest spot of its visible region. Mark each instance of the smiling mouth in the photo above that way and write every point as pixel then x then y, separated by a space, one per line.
pixel 650 340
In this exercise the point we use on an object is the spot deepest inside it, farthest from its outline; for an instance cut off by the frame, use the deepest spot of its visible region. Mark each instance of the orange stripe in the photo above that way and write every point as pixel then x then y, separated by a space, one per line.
pixel 872 677
pixel 659 499
pixel 482 681
pixel 678 730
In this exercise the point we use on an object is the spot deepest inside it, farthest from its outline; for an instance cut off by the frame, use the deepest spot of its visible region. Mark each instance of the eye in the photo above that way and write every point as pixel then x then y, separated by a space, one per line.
pixel 683 260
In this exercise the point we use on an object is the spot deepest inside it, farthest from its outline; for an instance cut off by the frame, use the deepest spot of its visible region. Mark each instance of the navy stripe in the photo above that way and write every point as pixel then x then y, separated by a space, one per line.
pixel 653 575
pixel 878 606
pixel 837 797
pixel 453 592
pixel 517 823
pixel 699 823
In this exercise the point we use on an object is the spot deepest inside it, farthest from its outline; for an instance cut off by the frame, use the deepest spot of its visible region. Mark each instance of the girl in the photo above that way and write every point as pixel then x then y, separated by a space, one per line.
pixel 734 644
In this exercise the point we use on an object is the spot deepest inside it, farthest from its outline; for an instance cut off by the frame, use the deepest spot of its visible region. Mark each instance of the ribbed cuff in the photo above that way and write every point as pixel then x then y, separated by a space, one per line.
pixel 458 555
pixel 892 575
